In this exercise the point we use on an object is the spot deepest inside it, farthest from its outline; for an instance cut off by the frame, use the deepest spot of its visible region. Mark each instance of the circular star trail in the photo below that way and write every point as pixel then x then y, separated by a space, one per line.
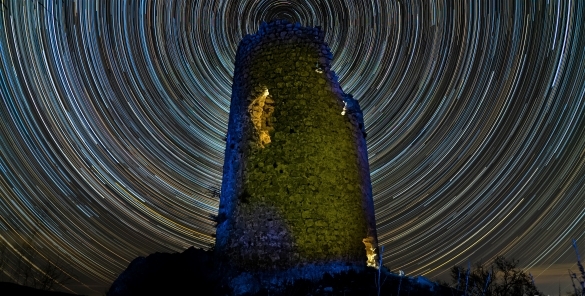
pixel 114 115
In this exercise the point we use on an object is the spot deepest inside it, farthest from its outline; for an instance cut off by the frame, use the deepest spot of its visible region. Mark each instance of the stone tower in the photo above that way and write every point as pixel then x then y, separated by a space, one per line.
pixel 296 188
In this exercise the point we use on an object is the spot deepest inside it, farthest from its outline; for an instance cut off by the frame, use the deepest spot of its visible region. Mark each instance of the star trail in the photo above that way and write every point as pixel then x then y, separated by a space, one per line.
pixel 114 115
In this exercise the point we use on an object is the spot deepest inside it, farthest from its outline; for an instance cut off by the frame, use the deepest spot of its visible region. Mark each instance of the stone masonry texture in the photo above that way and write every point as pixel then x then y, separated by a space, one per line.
pixel 296 184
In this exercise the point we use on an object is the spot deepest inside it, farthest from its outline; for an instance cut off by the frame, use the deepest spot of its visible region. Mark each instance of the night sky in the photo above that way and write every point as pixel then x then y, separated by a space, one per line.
pixel 114 116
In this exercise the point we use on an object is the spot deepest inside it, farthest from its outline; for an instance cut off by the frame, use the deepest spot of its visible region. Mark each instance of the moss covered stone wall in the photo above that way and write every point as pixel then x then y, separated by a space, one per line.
pixel 296 187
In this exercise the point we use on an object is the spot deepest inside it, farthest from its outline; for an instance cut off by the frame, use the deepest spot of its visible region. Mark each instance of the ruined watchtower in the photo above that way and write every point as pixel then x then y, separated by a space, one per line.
pixel 296 182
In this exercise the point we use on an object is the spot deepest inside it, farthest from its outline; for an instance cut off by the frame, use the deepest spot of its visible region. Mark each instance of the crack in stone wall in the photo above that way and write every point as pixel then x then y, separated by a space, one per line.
pixel 260 110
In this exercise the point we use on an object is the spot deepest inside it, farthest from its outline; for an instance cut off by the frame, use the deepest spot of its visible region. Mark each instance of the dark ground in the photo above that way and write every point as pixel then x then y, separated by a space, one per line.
pixel 196 272
pixel 11 289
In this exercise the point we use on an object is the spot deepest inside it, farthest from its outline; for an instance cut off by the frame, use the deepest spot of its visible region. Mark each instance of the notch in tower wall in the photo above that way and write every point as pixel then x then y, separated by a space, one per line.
pixel 296 187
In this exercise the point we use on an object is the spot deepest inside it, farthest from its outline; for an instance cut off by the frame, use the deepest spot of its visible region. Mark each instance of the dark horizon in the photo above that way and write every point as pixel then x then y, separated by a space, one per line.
pixel 114 117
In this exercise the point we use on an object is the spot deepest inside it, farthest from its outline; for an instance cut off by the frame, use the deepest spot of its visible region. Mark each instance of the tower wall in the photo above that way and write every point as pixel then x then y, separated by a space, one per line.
pixel 296 183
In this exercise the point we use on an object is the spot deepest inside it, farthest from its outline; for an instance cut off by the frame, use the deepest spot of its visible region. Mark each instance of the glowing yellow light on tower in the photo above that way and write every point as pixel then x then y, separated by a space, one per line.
pixel 260 110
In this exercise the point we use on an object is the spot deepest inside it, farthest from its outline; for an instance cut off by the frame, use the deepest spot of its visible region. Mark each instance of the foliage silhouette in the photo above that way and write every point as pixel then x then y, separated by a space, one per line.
pixel 24 267
pixel 501 278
